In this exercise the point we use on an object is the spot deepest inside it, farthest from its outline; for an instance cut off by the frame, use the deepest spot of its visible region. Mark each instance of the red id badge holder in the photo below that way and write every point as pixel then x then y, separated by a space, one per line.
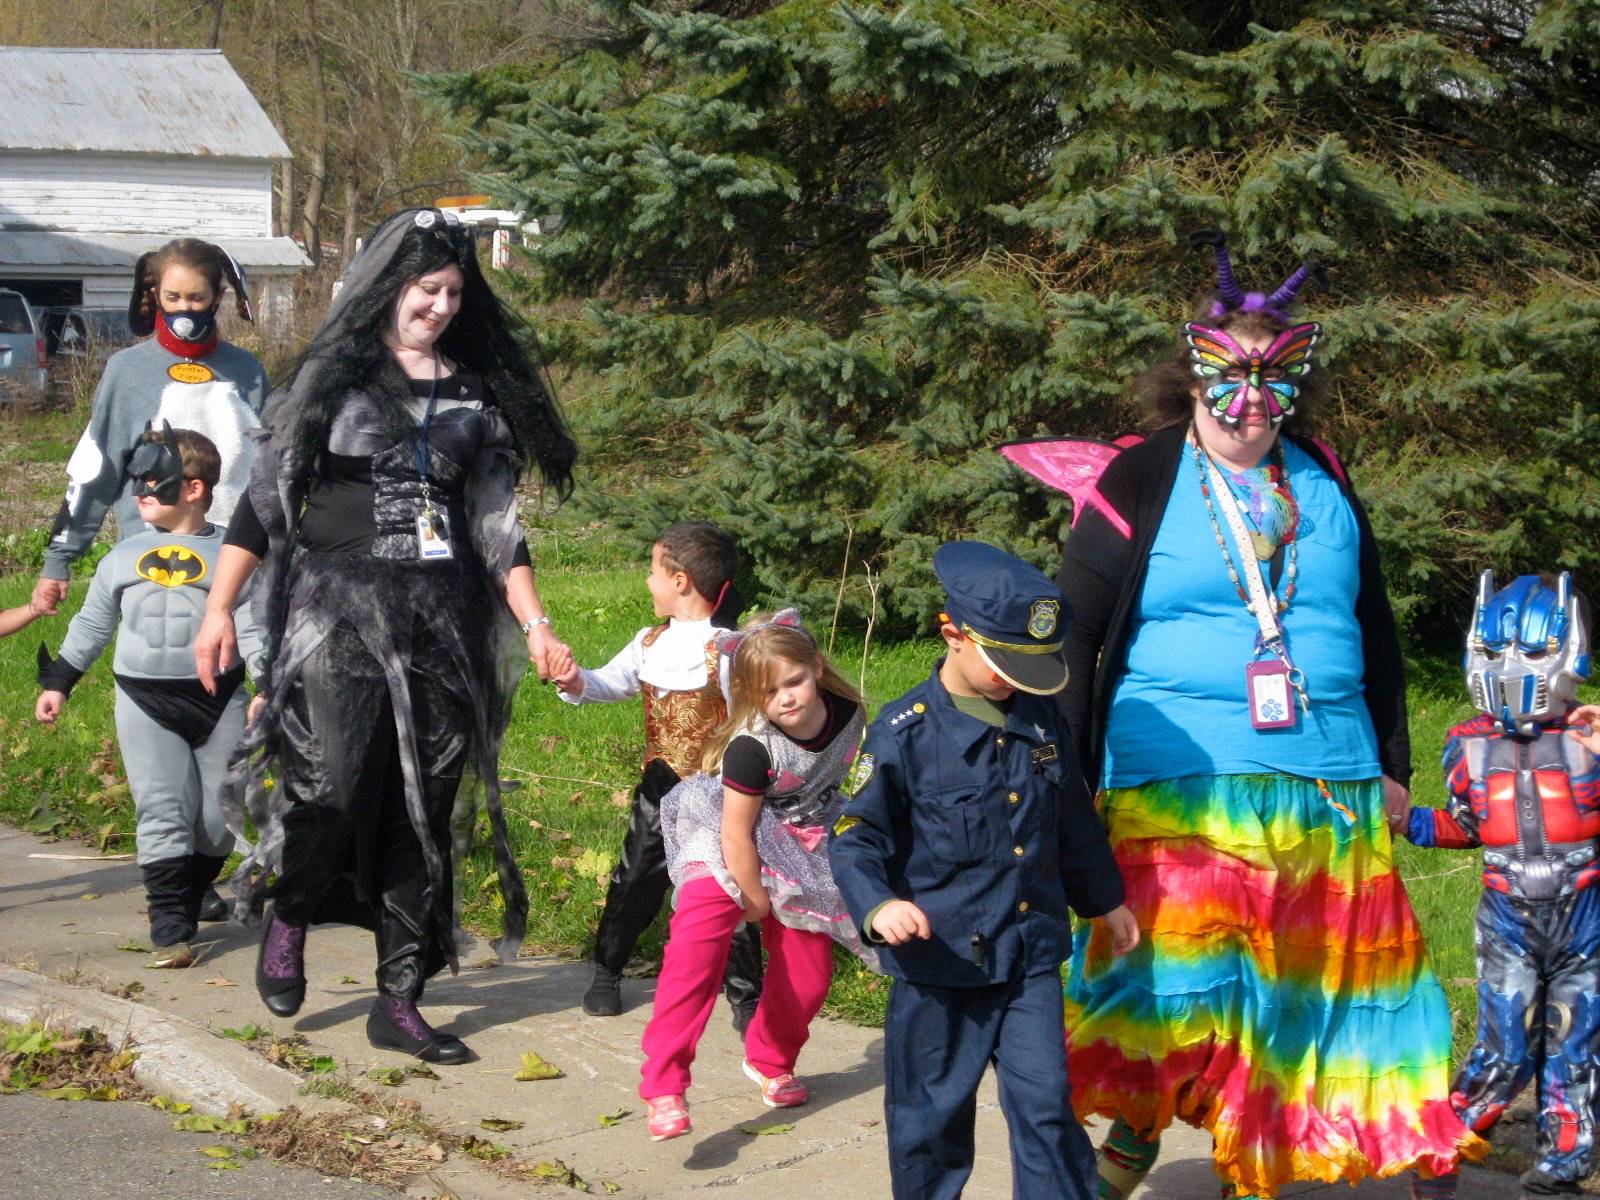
pixel 1271 694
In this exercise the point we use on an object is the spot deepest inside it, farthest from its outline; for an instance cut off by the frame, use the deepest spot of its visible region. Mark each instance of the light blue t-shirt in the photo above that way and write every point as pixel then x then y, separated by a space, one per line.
pixel 1180 708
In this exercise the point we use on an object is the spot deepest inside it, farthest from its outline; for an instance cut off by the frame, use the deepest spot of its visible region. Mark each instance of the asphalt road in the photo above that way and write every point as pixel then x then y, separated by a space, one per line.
pixel 50 1149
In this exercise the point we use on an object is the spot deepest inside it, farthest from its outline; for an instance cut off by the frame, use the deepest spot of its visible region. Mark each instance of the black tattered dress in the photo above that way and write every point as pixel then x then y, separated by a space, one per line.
pixel 390 676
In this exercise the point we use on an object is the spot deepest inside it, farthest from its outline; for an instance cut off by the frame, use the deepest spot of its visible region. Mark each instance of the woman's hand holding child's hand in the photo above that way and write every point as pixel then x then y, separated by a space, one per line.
pixel 1124 929
pixel 899 921
pixel 49 707
pixel 542 645
pixel 1585 714
pixel 564 670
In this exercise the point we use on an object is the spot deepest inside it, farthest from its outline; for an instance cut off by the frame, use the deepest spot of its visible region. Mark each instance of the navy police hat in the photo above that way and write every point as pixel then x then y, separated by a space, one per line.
pixel 1010 611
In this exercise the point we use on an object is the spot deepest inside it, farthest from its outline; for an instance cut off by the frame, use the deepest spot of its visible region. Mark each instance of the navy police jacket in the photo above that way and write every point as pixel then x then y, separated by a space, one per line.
pixel 990 831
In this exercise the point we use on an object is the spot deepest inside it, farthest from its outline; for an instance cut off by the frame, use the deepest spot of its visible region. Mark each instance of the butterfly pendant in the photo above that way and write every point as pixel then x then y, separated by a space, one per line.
pixel 1235 373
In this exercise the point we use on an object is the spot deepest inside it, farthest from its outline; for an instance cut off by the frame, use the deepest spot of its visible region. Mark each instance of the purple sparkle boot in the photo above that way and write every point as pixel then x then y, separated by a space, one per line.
pixel 395 1024
pixel 281 968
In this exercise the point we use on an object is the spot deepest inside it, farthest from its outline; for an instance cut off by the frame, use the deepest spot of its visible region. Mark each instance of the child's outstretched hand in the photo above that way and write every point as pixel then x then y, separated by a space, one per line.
pixel 564 670
pixel 1124 929
pixel 1585 714
pixel 49 707
pixel 899 921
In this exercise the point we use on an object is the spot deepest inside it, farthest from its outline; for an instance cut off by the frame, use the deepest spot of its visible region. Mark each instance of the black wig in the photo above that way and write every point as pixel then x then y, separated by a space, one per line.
pixel 348 351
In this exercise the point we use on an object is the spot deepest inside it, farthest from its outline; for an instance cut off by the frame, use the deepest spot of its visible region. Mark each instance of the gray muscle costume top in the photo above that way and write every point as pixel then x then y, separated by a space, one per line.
pixel 155 585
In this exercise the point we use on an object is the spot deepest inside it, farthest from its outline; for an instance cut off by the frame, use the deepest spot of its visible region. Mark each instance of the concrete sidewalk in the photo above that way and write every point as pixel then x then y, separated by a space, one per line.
pixel 836 1150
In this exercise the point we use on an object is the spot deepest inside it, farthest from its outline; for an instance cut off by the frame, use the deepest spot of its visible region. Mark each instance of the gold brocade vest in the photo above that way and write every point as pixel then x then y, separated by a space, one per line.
pixel 677 724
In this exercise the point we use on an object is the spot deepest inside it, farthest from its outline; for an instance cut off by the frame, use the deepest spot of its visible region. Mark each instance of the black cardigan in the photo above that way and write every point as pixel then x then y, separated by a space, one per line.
pixel 1102 574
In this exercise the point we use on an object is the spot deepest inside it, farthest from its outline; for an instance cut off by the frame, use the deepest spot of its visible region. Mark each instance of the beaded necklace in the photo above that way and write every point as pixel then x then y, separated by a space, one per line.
pixel 1278 474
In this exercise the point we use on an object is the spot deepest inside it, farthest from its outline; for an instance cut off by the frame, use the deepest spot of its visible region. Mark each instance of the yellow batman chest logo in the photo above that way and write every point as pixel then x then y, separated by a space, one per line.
pixel 171 566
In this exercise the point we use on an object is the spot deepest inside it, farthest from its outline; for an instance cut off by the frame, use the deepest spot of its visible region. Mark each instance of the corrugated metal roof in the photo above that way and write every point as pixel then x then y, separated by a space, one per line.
pixel 119 251
pixel 133 101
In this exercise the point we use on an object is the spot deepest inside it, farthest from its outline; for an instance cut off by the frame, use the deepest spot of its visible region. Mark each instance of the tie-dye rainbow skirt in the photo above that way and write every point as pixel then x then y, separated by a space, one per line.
pixel 1280 996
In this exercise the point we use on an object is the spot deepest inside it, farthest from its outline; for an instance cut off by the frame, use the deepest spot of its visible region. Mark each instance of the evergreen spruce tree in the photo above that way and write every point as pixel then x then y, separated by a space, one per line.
pixel 815 259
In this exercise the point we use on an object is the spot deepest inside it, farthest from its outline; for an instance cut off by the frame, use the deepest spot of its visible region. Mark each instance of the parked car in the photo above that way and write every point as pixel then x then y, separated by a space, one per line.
pixel 74 332
pixel 22 350
pixel 79 340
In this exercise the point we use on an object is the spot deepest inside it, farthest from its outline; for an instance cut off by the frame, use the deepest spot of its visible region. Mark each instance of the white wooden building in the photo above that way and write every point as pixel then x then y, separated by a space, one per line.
pixel 105 154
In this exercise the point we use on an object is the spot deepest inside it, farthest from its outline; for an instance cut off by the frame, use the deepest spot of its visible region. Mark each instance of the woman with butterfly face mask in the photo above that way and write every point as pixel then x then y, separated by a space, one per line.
pixel 1237 694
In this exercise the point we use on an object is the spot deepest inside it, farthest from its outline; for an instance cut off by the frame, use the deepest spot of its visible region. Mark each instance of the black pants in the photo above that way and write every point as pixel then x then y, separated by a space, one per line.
pixel 639 885
pixel 351 849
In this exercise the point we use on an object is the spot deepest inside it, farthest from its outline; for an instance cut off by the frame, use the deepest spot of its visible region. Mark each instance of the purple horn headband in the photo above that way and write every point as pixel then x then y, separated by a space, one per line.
pixel 1233 298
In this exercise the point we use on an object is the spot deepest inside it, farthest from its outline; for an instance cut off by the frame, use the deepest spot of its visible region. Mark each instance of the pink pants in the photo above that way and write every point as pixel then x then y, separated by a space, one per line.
pixel 799 969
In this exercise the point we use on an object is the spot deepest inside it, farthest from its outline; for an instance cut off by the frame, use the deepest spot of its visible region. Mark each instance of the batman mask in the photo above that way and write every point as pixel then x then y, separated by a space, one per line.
pixel 156 468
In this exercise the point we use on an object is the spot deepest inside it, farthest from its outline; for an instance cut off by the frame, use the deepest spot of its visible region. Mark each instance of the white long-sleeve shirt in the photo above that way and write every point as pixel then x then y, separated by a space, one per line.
pixel 674 662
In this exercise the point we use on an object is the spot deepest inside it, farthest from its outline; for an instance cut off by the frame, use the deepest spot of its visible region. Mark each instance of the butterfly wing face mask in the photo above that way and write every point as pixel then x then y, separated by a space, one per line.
pixel 1234 376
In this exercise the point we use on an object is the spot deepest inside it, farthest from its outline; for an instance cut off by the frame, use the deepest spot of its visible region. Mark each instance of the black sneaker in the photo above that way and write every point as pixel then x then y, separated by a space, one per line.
pixel 743 1014
pixel 604 997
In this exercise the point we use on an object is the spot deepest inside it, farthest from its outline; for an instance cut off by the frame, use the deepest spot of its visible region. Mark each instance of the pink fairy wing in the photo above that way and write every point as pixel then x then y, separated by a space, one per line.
pixel 1073 466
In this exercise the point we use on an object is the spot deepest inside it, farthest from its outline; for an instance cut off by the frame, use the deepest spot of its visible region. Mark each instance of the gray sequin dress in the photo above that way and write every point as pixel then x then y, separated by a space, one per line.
pixel 802 802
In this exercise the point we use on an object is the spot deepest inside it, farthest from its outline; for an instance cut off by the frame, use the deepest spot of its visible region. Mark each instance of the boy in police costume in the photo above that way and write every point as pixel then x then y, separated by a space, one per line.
pixel 968 833
pixel 175 737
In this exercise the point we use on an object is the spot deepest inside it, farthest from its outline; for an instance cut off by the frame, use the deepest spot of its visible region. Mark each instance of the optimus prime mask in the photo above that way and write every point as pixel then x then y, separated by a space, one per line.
pixel 1527 651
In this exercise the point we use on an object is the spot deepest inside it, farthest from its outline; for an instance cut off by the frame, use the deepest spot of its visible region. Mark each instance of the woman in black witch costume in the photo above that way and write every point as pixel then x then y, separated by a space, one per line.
pixel 382 510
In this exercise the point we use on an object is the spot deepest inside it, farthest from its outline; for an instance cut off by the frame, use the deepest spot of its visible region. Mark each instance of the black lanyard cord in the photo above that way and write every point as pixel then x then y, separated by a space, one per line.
pixel 427 422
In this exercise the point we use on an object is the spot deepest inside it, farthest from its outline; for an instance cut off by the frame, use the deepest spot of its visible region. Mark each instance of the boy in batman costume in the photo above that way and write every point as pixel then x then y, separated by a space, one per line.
pixel 383 514
pixel 176 738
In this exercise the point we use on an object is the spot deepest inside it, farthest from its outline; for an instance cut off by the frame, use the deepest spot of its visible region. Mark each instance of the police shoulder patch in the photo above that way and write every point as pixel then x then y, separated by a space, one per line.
pixel 860 772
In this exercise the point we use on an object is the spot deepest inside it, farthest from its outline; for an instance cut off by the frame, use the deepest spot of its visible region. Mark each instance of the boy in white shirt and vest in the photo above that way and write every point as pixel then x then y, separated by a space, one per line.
pixel 677 668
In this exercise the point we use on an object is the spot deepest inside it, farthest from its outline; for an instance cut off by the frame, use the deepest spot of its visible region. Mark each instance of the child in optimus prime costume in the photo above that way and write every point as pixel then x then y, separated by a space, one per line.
pixel 1524 783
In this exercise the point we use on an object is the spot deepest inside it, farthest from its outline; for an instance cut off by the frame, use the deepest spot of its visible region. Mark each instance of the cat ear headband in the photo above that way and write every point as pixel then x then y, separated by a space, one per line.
pixel 728 641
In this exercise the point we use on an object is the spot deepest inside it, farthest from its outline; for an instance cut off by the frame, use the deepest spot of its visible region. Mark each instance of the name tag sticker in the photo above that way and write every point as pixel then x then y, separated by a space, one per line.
pixel 1046 753
pixel 190 372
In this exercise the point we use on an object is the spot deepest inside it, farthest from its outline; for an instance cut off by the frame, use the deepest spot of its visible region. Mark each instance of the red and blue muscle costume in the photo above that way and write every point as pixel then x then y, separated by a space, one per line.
pixel 1533 804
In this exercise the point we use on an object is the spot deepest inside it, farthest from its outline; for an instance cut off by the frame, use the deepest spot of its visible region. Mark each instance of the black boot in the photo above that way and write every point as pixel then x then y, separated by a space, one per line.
pixel 395 1023
pixel 166 889
pixel 741 982
pixel 208 906
pixel 281 966
pixel 604 997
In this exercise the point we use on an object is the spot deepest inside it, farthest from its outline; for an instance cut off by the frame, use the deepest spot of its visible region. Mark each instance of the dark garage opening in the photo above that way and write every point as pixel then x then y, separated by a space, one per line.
pixel 43 293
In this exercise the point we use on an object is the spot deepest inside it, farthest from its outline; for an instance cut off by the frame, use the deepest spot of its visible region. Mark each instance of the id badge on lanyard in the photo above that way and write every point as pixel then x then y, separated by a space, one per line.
pixel 433 525
pixel 1270 693
pixel 1271 686
pixel 433 534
